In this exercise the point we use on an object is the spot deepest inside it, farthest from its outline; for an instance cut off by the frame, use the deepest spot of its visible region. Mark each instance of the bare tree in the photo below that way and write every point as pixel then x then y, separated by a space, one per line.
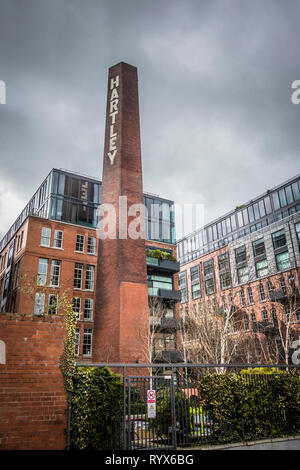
pixel 287 315
pixel 156 326
pixel 210 332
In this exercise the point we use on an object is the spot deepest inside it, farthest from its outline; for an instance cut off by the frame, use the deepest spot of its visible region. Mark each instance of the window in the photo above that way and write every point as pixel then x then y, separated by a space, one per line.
pixel 282 198
pixel 42 272
pixel 261 290
pixel 289 195
pixel 274 316
pixel 182 286
pixel 39 304
pixel 276 201
pixel 261 268
pixel 91 246
pixel 195 289
pixel 77 341
pixel 297 228
pixel 58 239
pixel 240 255
pixel 55 273
pixel 223 262
pixel 88 309
pixel 194 273
pixel 87 342
pixel 208 267
pixel 225 280
pixel 243 275
pixel 78 275
pixel 279 239
pixel 89 279
pixel 52 304
pixel 77 306
pixel 210 286
pixel 264 315
pixel 246 322
pixel 283 261
pixel 242 296
pixel 259 247
pixel 282 285
pixel 250 295
pixel 156 282
pixel 74 187
pixel 21 241
pixel 79 243
pixel 195 282
pixel 296 191
pixel 46 236
pixel 16 272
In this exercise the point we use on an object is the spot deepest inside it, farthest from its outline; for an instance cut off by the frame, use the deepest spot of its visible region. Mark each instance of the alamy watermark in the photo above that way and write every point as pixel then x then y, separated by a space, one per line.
pixel 295 97
pixel 296 354
pixel 2 92
pixel 123 220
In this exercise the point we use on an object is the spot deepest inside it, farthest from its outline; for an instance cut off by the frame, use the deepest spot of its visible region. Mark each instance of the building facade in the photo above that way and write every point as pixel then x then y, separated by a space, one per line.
pixel 51 252
pixel 247 262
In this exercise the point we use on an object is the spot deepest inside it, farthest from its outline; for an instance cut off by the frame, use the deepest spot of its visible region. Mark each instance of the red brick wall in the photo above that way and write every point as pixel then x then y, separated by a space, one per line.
pixel 33 405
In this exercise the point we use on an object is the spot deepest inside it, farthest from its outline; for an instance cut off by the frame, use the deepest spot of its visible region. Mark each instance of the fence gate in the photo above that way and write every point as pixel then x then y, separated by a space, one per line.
pixel 163 412
pixel 150 417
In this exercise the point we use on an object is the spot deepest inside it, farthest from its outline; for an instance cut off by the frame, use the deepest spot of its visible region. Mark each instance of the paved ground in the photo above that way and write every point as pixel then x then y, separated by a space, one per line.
pixel 280 445
pixel 291 443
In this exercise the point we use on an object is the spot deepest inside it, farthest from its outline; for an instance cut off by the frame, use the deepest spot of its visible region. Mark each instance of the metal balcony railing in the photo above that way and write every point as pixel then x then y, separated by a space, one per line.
pixel 165 265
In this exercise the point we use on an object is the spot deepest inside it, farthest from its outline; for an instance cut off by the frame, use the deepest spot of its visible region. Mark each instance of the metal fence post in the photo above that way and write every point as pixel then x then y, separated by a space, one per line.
pixel 124 407
pixel 128 417
pixel 173 412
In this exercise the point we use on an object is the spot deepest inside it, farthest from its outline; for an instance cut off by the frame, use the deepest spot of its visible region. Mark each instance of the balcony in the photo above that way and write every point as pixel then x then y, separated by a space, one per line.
pixel 281 296
pixel 277 296
pixel 166 294
pixel 171 355
pixel 164 324
pixel 266 327
pixel 164 265
pixel 167 356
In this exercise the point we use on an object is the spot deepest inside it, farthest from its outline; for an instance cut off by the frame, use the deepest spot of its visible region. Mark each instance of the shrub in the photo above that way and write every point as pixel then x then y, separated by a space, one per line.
pixel 97 409
pixel 252 405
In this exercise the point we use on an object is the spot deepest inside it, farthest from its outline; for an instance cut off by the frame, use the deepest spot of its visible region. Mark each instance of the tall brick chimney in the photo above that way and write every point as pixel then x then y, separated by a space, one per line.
pixel 121 311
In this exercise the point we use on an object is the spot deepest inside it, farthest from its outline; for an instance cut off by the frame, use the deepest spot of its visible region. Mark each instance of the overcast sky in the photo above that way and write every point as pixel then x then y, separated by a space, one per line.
pixel 218 126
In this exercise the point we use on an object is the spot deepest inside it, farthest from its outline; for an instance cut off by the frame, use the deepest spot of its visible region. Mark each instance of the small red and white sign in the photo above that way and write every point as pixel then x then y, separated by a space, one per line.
pixel 151 396
pixel 151 401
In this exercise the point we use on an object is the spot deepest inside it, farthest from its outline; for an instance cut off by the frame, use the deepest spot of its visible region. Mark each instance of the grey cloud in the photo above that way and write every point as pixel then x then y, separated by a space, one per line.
pixel 218 126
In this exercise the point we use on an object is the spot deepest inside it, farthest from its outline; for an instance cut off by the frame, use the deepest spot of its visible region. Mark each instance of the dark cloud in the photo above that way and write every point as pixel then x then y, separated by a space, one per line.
pixel 218 126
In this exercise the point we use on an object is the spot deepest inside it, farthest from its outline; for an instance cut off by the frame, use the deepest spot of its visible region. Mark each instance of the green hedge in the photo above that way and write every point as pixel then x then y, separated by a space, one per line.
pixel 97 409
pixel 251 406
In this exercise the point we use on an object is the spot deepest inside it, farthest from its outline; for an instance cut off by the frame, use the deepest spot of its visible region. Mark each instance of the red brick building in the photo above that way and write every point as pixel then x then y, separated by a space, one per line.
pixel 52 259
pixel 247 262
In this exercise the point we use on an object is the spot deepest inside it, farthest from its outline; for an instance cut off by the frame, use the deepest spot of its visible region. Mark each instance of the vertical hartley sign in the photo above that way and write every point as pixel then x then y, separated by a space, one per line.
pixel 113 112
pixel 151 401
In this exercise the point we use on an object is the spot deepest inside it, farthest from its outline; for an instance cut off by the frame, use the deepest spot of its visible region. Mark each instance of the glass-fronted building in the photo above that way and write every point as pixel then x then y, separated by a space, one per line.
pixel 264 210
pixel 74 198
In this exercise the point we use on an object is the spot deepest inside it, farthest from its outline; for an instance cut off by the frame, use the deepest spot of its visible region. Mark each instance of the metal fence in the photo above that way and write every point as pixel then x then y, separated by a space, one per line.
pixel 165 407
